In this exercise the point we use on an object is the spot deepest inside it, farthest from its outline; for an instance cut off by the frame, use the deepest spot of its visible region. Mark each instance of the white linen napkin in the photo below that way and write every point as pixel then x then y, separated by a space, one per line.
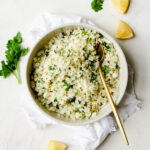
pixel 88 136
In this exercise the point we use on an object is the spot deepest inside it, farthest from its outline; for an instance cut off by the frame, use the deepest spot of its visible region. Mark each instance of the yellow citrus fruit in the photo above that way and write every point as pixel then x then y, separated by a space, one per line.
pixel 123 31
pixel 120 6
pixel 55 145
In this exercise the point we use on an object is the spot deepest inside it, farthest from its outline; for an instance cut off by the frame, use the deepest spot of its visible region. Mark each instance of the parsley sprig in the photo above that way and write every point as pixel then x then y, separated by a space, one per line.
pixel 68 86
pixel 13 54
pixel 97 5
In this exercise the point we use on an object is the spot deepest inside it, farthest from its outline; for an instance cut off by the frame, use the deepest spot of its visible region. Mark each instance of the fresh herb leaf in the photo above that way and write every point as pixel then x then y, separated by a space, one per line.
pixel 50 104
pixel 5 70
pixel 68 86
pixel 38 81
pixel 105 69
pixel 51 68
pixel 64 81
pixel 97 5
pixel 106 45
pixel 55 100
pixel 76 93
pixel 24 51
pixel 84 32
pixel 89 40
pixel 100 35
pixel 117 66
pixel 68 76
pixel 92 64
pixel 71 100
pixel 93 77
pixel 13 54
pixel 85 104
pixel 77 110
pixel 18 38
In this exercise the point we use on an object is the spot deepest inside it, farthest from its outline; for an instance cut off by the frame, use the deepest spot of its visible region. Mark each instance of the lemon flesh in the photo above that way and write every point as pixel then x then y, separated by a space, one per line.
pixel 55 145
pixel 120 6
pixel 123 31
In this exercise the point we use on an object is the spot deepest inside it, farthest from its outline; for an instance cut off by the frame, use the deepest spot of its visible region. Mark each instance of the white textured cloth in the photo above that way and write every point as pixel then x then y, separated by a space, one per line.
pixel 88 136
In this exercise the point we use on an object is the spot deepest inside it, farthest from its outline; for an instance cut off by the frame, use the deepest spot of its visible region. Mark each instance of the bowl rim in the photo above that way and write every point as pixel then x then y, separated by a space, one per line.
pixel 94 27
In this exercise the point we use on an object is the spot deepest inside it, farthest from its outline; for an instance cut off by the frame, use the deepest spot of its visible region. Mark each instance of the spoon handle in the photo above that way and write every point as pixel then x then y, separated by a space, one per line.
pixel 116 114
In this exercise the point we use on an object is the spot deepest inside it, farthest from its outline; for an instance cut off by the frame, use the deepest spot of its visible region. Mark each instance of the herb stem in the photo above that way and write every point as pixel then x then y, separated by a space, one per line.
pixel 14 74
pixel 18 74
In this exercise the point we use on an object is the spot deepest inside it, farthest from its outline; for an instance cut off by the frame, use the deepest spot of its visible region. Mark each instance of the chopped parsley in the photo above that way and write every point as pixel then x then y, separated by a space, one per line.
pixel 100 35
pixel 84 32
pixel 97 5
pixel 89 40
pixel 67 85
pixel 105 69
pixel 55 100
pixel 38 81
pixel 71 100
pixel 76 93
pixel 106 45
pixel 77 110
pixel 85 104
pixel 50 104
pixel 13 54
pixel 64 81
pixel 51 68
pixel 92 64
pixel 117 66
pixel 93 77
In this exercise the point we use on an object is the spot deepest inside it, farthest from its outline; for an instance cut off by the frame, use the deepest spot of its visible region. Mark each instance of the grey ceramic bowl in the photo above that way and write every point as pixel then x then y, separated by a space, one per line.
pixel 106 109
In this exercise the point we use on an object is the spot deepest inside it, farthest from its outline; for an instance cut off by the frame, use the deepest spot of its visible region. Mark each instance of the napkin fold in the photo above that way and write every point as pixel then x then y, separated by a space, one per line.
pixel 89 137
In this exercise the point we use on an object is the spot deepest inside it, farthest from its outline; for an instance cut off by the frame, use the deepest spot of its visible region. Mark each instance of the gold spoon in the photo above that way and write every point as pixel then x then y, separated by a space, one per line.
pixel 100 50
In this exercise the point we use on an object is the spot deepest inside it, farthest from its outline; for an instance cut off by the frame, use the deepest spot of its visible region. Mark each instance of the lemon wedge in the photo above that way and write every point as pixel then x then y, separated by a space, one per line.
pixel 55 145
pixel 120 6
pixel 123 31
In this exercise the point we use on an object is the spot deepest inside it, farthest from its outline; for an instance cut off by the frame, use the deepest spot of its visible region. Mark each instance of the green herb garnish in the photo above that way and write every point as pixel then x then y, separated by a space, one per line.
pixel 13 54
pixel 67 85
pixel 84 32
pixel 89 40
pixel 55 100
pixel 117 66
pixel 50 104
pixel 51 68
pixel 105 69
pixel 106 45
pixel 79 102
pixel 97 5
pixel 38 81
pixel 71 100
pixel 64 81
pixel 76 93
pixel 85 104
pixel 78 111
pixel 93 77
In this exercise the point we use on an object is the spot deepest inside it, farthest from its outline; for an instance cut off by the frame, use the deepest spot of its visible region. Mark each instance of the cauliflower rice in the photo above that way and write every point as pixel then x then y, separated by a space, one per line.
pixel 65 74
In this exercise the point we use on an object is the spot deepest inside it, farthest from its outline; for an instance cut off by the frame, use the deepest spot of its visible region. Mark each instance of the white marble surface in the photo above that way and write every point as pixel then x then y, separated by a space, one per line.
pixel 17 15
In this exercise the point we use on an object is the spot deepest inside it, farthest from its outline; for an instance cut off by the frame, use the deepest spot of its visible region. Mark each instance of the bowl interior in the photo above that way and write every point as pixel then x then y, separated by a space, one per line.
pixel 106 109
